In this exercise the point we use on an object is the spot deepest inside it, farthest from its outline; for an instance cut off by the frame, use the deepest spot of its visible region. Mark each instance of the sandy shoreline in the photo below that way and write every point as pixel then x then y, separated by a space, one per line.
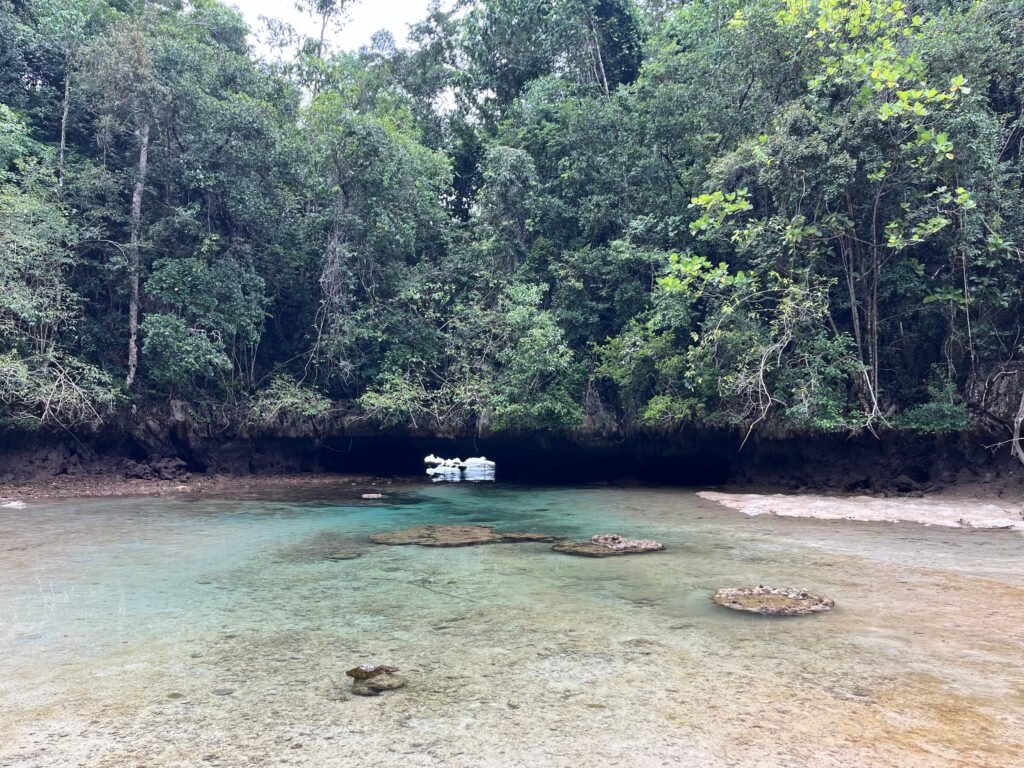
pixel 967 512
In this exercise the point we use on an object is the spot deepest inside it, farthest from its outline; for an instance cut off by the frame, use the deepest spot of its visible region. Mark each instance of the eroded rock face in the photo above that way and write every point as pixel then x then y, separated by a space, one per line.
pixel 608 545
pixel 773 601
pixel 455 536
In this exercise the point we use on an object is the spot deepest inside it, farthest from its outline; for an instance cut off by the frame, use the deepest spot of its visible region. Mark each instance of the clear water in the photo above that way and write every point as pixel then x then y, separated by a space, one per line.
pixel 120 619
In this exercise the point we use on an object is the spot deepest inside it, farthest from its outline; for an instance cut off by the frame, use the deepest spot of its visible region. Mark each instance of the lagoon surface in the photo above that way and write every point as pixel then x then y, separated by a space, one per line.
pixel 201 631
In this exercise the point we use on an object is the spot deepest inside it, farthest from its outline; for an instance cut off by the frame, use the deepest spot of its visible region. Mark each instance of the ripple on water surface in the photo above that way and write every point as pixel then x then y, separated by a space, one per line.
pixel 178 632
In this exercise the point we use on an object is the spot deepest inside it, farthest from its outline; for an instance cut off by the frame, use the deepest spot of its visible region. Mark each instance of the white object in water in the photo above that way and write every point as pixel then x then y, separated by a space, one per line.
pixel 456 470
pixel 480 470
pixel 13 505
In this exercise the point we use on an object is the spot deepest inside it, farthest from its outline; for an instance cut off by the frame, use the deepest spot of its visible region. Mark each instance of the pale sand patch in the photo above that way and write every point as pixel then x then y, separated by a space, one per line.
pixel 958 513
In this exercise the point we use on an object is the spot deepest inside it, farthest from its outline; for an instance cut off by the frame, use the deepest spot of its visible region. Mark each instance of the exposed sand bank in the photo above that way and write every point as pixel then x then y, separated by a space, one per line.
pixel 952 513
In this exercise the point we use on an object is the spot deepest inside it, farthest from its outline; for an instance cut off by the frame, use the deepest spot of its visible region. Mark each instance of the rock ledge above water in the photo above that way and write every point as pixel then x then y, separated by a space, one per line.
pixel 773 601
pixel 608 545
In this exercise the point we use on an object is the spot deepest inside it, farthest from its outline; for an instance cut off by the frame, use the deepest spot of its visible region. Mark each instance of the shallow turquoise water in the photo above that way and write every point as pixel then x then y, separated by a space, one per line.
pixel 120 619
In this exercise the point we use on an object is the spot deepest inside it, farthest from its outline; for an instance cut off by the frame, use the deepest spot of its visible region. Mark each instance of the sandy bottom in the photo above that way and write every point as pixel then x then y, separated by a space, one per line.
pixel 957 513
pixel 162 632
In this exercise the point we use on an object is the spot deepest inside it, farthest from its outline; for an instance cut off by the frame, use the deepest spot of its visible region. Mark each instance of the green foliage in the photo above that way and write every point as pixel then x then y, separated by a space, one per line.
pixel 538 378
pixel 772 215
pixel 41 381
pixel 43 390
pixel 761 353
pixel 177 355
pixel 286 400
pixel 943 412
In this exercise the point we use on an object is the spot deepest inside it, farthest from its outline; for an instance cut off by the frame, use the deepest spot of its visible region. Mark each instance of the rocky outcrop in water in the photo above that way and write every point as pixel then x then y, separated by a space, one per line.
pixel 367 671
pixel 373 680
pixel 608 545
pixel 454 536
pixel 438 536
pixel 773 601
pixel 615 541
pixel 375 686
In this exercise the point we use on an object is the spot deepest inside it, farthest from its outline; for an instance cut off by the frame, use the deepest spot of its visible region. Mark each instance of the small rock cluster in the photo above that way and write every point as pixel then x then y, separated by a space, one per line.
pixel 374 679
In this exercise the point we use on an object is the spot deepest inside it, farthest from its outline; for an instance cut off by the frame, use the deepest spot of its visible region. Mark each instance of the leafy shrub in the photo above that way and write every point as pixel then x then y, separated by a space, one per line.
pixel 287 399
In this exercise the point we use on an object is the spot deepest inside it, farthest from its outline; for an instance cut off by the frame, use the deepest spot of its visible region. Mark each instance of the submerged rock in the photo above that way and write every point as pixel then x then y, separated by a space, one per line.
pixel 438 536
pixel 518 537
pixel 608 545
pixel 375 686
pixel 326 545
pixel 773 601
pixel 367 671
pixel 343 555
pixel 455 536
pixel 374 679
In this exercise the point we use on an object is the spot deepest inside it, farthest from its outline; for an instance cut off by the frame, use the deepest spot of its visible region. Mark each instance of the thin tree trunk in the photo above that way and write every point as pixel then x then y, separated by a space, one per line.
pixel 64 124
pixel 134 262
pixel 873 327
pixel 1018 422
pixel 599 59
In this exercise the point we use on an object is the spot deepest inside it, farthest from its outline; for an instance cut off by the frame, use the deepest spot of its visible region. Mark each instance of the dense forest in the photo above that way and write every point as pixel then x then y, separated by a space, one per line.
pixel 776 217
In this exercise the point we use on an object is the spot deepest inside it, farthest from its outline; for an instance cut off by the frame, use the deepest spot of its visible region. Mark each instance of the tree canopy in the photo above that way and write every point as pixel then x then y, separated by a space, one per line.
pixel 775 216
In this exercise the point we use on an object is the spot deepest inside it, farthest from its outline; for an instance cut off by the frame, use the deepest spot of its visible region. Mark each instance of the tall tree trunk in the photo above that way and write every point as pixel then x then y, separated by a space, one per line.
pixel 1018 423
pixel 602 76
pixel 64 123
pixel 134 262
